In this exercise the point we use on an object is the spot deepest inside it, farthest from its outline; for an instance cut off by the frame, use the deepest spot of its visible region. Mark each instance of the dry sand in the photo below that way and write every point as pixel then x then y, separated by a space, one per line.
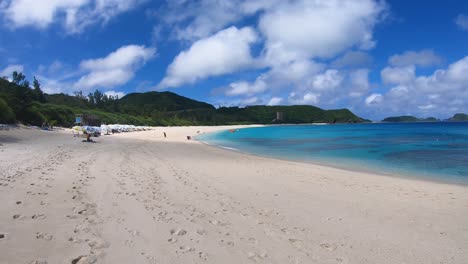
pixel 140 198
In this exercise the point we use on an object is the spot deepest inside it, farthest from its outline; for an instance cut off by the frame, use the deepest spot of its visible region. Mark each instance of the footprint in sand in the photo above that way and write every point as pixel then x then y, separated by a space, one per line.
pixel 252 241
pixel 90 259
pixel 184 249
pixel 98 244
pixel 44 236
pixel 18 216
pixel 178 232
pixel 129 243
pixel 75 240
pixel 327 246
pixel 39 216
pixel 256 257
pixel 203 255
pixel 297 243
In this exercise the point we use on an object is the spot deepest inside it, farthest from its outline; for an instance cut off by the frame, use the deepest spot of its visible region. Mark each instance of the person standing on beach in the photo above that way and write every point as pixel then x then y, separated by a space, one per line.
pixel 164 134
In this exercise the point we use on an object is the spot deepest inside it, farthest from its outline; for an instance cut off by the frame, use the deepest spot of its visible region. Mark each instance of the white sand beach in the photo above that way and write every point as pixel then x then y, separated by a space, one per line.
pixel 142 198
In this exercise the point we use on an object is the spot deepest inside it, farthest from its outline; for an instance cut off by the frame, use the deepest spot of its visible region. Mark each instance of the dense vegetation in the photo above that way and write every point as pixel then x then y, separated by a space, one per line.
pixel 21 103
pixel 460 117
pixel 409 119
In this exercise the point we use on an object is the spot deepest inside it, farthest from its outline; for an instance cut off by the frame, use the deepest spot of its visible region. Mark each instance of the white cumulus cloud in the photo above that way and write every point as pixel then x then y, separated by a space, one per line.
pixel 359 82
pixel 305 99
pixel 225 52
pixel 439 94
pixel 299 34
pixel 398 75
pixel 115 69
pixel 373 99
pixel 74 15
pixel 353 59
pixel 423 58
pixel 319 28
pixel 8 70
pixel 193 20
pixel 330 79
pixel 275 101
pixel 245 88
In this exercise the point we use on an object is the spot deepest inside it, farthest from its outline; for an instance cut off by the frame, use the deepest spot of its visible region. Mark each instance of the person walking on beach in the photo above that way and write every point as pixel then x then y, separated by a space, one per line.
pixel 164 134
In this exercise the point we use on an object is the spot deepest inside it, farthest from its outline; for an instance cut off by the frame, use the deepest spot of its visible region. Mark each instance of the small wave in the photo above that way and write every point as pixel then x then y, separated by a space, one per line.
pixel 228 148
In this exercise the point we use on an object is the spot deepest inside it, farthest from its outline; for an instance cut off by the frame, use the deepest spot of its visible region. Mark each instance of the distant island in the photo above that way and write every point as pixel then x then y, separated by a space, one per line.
pixel 29 105
pixel 397 119
pixel 460 117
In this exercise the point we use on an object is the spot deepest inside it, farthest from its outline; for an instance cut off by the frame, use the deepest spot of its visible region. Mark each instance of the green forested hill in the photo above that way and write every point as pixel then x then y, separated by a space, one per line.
pixel 409 119
pixel 460 117
pixel 151 102
pixel 20 103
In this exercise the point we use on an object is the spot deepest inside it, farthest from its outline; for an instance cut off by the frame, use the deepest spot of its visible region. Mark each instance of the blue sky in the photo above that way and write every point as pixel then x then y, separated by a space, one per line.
pixel 377 58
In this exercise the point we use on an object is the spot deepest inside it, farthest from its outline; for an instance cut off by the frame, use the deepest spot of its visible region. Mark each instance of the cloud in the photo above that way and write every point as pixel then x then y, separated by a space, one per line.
pixel 439 94
pixel 54 67
pixel 305 99
pixel 250 101
pixel 7 71
pixel 299 34
pixel 359 82
pixel 54 85
pixel 75 15
pixel 462 21
pixel 328 80
pixel 245 88
pixel 398 75
pixel 353 59
pixel 225 52
pixel 194 20
pixel 115 69
pixel 374 99
pixel 427 107
pixel 115 94
pixel 319 29
pixel 423 58
pixel 275 101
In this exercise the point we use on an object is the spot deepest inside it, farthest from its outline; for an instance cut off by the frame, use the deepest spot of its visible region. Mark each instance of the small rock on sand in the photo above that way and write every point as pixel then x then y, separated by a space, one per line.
pixel 2 236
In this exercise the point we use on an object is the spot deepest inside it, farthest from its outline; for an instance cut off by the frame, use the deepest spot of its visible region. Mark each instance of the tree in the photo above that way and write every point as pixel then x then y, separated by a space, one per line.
pixel 37 92
pixel 25 83
pixel 79 95
pixel 91 98
pixel 98 97
pixel 6 113
pixel 18 78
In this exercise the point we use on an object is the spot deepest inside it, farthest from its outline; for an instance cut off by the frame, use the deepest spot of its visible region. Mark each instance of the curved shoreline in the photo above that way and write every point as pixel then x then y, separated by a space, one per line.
pixel 378 171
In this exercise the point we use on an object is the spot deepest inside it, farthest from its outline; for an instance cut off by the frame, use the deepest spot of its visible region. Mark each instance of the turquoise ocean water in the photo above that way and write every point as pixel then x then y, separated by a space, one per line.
pixel 435 151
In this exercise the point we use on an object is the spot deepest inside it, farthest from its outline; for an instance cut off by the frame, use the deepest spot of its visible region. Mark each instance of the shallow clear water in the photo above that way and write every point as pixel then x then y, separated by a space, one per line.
pixel 432 150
